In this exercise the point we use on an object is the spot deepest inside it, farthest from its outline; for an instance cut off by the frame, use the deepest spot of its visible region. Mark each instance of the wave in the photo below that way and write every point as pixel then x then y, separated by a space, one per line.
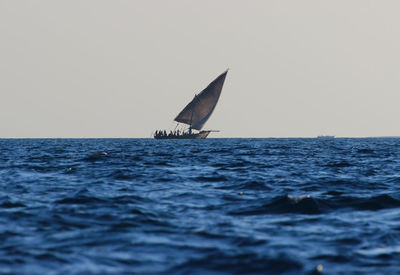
pixel 211 178
pixel 314 206
pixel 82 196
pixel 339 164
pixel 283 204
pixel 378 202
pixel 366 151
pixel 11 204
pixel 238 263
pixel 96 157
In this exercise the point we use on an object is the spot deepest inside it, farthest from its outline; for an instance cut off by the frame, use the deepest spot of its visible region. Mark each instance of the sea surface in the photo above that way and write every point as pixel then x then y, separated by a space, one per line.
pixel 214 206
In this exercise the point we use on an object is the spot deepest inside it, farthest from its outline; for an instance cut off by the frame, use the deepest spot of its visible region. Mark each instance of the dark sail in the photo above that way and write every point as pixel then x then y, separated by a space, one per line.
pixel 199 110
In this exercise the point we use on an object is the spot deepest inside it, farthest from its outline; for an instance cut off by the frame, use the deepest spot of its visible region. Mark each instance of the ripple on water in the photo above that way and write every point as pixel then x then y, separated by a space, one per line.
pixel 216 206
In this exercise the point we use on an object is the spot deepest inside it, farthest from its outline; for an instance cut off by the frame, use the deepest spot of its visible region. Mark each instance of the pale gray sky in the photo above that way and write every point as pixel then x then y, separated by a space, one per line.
pixel 125 68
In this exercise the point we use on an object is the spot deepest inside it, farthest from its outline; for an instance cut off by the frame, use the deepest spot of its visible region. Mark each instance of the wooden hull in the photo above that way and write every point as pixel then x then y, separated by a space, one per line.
pixel 200 135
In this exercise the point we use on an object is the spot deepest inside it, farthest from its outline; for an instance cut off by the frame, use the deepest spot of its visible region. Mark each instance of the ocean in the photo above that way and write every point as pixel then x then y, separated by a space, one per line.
pixel 213 206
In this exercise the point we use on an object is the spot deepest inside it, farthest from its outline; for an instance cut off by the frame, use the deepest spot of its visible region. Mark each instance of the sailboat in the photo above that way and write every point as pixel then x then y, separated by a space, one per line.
pixel 197 112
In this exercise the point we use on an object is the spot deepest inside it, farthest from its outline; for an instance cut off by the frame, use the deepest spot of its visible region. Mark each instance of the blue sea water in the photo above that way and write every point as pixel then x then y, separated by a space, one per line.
pixel 214 206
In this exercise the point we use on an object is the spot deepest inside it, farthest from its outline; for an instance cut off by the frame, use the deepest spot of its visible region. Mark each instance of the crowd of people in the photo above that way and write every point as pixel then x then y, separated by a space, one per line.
pixel 163 134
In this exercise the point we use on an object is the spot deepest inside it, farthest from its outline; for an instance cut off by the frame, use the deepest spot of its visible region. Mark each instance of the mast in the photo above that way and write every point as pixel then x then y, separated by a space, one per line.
pixel 191 117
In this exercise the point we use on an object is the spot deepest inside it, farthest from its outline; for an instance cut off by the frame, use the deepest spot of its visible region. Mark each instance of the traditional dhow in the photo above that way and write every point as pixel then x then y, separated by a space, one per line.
pixel 197 112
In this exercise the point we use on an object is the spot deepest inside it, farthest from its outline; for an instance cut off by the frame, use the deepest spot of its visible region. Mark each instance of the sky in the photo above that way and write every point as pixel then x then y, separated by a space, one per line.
pixel 117 68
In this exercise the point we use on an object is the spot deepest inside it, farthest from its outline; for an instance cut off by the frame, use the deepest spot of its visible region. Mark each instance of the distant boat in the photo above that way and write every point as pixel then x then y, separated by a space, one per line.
pixel 326 137
pixel 197 112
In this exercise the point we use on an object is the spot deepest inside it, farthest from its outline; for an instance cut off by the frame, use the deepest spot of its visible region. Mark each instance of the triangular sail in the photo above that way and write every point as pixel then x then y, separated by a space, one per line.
pixel 199 110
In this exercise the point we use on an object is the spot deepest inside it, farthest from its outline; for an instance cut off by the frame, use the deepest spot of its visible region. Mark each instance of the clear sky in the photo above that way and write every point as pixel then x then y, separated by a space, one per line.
pixel 125 68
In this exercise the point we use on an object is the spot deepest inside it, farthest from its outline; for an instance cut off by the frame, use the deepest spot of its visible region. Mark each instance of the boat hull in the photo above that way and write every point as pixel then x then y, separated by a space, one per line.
pixel 200 135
